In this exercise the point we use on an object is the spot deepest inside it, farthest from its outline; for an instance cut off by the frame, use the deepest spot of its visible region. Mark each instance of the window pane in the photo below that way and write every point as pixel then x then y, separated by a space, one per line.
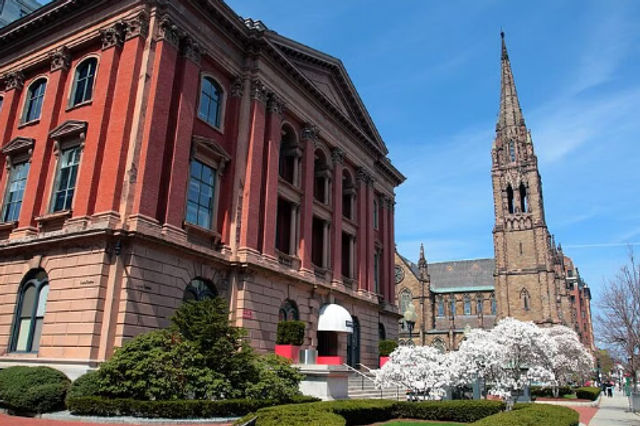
pixel 194 191
pixel 204 217
pixel 196 169
pixel 192 212
pixel 23 334
pixel 35 341
pixel 28 302
pixel 42 302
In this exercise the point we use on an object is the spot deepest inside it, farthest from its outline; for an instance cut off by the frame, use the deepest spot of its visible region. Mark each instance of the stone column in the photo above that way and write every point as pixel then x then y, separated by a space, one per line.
pixel 336 236
pixel 362 179
pixel 385 282
pixel 155 128
pixel 309 137
pixel 119 125
pixel 273 134
pixel 370 237
pixel 252 194
pixel 180 163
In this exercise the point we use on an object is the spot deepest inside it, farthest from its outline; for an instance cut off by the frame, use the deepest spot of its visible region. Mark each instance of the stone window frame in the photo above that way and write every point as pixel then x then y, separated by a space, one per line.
pixel 288 311
pixel 74 82
pixel 219 126
pixel 17 151
pixel 210 153
pixel 526 299
pixel 466 304
pixel 326 174
pixel 494 304
pixel 295 150
pixel 479 304
pixel 440 313
pixel 34 278
pixel 26 101
pixel 198 293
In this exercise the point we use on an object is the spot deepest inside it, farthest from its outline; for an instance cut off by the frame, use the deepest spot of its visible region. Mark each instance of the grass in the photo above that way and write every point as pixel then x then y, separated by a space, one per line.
pixel 420 422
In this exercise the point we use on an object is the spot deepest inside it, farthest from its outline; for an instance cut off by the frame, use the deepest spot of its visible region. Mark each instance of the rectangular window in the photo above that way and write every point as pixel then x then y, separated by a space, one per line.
pixel 317 242
pixel 440 307
pixel 66 179
pixel 15 191
pixel 202 182
pixel 375 214
pixel 452 307
pixel 283 226
pixel 376 271
pixel 346 255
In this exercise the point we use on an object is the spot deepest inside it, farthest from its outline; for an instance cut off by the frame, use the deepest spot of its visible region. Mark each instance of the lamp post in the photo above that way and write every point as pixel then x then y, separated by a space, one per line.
pixel 410 318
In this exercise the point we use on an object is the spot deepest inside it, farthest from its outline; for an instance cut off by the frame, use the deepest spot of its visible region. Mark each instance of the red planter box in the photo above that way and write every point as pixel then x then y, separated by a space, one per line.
pixel 383 360
pixel 288 351
pixel 329 360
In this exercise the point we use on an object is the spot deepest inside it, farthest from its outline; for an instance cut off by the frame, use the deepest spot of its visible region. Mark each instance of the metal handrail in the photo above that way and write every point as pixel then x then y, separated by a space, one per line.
pixel 399 385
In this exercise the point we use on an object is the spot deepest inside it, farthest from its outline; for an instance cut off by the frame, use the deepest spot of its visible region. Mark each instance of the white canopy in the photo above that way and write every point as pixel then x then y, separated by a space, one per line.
pixel 334 317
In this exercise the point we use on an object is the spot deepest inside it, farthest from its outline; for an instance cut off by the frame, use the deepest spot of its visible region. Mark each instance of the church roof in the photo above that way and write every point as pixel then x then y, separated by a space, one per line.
pixel 462 275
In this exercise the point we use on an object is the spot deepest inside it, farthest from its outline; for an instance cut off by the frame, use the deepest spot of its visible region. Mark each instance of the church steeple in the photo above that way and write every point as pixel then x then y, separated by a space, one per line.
pixel 510 112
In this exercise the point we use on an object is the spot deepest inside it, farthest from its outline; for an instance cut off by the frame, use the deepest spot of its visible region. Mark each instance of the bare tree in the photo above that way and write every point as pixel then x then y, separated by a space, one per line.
pixel 619 317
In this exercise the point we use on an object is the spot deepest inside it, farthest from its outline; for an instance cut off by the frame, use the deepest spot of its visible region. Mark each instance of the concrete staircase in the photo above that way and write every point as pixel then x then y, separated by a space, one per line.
pixel 361 387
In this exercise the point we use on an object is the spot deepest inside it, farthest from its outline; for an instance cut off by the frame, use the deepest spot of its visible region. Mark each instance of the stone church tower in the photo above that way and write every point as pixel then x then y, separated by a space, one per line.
pixel 529 277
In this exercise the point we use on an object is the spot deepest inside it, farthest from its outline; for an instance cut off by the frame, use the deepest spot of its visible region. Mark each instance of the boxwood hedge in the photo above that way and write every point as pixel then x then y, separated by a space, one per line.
pixel 533 415
pixel 33 390
pixel 589 393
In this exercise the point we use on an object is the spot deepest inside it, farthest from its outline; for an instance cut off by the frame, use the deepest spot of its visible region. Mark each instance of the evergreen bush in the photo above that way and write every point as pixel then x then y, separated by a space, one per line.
pixel 590 393
pixel 290 333
pixel 33 389
pixel 532 415
pixel 385 347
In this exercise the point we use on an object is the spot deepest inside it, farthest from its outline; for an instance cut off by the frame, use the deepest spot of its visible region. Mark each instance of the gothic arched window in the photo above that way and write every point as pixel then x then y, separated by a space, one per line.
pixel 467 304
pixel 405 300
pixel 199 289
pixel 523 198
pixel 288 311
pixel 494 305
pixel 526 301
pixel 479 302
pixel 510 198
pixel 439 344
pixel 512 151
pixel 440 302
pixel 32 301
pixel 452 306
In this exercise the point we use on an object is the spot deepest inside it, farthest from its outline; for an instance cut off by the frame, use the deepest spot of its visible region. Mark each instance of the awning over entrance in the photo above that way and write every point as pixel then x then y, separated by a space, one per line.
pixel 334 317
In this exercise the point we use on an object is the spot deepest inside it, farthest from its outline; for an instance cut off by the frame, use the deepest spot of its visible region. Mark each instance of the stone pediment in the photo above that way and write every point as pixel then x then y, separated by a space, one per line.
pixel 68 129
pixel 214 148
pixel 18 145
pixel 329 77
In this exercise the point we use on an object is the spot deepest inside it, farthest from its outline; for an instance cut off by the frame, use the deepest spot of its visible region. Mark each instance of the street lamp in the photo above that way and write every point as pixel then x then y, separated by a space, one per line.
pixel 410 318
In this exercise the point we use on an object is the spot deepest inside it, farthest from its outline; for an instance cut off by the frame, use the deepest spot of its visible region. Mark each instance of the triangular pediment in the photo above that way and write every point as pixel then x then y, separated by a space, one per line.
pixel 329 77
pixel 17 145
pixel 69 128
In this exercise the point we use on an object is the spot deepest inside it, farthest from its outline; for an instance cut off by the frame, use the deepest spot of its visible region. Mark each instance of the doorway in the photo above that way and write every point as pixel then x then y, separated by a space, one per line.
pixel 353 345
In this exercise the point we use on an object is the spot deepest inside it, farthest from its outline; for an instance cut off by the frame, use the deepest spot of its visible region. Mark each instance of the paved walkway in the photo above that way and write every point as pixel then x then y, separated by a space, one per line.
pixel 613 412
pixel 6 420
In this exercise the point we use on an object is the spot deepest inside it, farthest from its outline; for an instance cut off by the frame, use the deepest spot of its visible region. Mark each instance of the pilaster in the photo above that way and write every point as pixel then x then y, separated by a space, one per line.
pixel 337 155
pixel 309 138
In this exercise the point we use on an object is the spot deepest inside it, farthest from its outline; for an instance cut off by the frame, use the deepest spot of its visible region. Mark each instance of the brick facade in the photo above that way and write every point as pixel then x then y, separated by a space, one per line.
pixel 119 257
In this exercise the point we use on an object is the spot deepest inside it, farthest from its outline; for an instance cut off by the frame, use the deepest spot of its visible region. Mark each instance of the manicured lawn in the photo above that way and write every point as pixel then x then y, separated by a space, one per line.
pixel 420 422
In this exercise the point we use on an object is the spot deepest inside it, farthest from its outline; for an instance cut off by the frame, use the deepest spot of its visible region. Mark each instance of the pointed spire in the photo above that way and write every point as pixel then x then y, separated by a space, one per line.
pixel 422 264
pixel 510 112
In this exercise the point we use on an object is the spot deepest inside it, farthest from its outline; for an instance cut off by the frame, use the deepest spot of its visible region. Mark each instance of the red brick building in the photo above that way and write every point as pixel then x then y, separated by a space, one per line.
pixel 156 151
pixel 580 297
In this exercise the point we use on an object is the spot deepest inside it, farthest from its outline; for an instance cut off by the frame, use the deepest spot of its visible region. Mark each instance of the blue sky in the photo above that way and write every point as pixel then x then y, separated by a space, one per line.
pixel 428 72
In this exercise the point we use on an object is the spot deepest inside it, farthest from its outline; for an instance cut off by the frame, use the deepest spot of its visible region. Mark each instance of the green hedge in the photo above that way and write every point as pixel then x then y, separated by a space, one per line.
pixel 33 389
pixel 364 412
pixel 385 347
pixel 290 333
pixel 464 411
pixel 174 409
pixel 307 417
pixel 547 392
pixel 589 393
pixel 533 415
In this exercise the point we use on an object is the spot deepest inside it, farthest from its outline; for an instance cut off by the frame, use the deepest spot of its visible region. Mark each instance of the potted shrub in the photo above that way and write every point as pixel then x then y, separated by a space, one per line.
pixel 385 347
pixel 290 337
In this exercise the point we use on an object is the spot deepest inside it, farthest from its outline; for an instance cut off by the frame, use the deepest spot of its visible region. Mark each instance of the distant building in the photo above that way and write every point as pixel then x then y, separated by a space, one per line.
pixel 529 278
pixel 10 10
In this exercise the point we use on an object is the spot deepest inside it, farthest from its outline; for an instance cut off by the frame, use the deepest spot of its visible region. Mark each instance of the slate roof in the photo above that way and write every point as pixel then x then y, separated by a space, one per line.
pixel 462 275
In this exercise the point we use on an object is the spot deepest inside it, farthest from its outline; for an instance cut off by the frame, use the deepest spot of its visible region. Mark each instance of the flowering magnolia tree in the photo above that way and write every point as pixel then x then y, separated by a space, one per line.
pixel 507 358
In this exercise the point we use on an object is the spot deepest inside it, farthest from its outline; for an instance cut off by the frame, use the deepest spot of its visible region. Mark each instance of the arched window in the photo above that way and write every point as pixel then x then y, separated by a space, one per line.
pixel 510 198
pixel 438 343
pixel 494 305
pixel 199 289
pixel 523 198
pixel 288 311
pixel 83 83
pixel 406 299
pixel 32 300
pixel 512 151
pixel 35 97
pixel 15 191
pixel 526 302
pixel 382 333
pixel 452 306
pixel 479 302
pixel 322 176
pixel 289 158
pixel 348 195
pixel 440 303
pixel 467 304
pixel 210 101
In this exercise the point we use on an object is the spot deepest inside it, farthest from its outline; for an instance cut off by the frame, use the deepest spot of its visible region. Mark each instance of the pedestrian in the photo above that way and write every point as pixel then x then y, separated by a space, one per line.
pixel 610 390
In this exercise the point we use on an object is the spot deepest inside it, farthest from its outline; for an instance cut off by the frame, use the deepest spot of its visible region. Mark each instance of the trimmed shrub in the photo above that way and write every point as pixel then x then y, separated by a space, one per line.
pixel 385 347
pixel 547 392
pixel 290 333
pixel 458 411
pixel 276 379
pixel 359 411
pixel 177 409
pixel 299 418
pixel 33 389
pixel 589 393
pixel 85 385
pixel 533 415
